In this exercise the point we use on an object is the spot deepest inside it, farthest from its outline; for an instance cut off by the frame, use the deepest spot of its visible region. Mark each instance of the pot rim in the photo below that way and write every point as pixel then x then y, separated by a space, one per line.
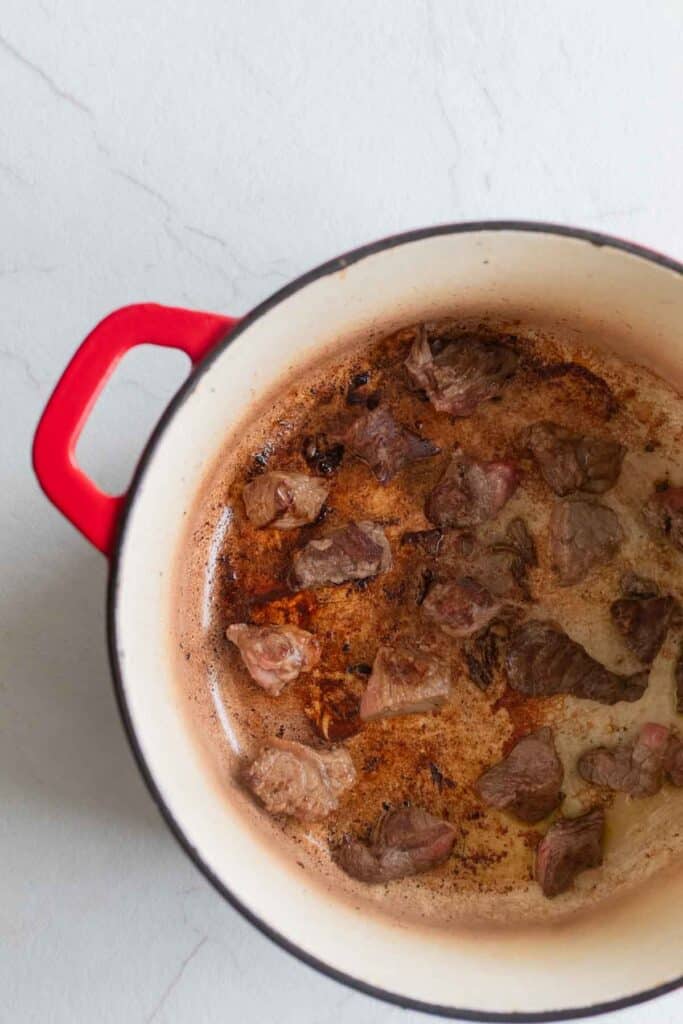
pixel 330 267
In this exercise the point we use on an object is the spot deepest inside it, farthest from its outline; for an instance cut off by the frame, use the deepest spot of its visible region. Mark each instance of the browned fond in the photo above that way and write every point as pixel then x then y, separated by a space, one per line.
pixel 239 573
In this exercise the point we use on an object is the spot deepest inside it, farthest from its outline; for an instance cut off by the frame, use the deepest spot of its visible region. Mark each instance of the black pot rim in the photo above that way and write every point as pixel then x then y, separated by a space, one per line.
pixel 331 267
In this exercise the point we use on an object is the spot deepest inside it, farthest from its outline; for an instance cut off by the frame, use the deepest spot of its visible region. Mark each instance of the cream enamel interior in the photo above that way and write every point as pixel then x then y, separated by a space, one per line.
pixel 637 306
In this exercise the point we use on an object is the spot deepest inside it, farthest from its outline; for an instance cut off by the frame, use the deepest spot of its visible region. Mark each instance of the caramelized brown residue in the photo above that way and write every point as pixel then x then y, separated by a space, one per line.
pixel 430 759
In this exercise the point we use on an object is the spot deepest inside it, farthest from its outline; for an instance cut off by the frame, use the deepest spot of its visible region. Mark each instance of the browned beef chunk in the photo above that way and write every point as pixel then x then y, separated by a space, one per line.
pixel 570 462
pixel 386 446
pixel 570 846
pixel 284 500
pixel 637 768
pixel 471 492
pixel 461 606
pixel 294 779
pixel 678 681
pixel 528 781
pixel 542 660
pixel 483 651
pixel 633 585
pixel 405 841
pixel 643 620
pixel 664 514
pixel 583 536
pixel 517 537
pixel 501 567
pixel 461 373
pixel 353 552
pixel 404 681
pixel 274 655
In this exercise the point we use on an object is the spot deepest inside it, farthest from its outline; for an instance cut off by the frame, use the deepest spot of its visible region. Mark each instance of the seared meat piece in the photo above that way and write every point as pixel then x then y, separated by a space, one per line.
pixel 386 446
pixel 461 606
pixel 405 841
pixel 517 537
pixel 583 535
pixel 643 621
pixel 542 660
pixel 292 778
pixel 274 655
pixel 404 681
pixel 462 373
pixel 569 462
pixel 678 681
pixel 570 846
pixel 353 552
pixel 501 567
pixel 483 651
pixel 527 782
pixel 471 492
pixel 664 514
pixel 483 578
pixel 633 585
pixel 284 500
pixel 637 768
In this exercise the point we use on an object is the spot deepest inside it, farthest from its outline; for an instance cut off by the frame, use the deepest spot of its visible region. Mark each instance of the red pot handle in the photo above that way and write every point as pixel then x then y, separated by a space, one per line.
pixel 90 510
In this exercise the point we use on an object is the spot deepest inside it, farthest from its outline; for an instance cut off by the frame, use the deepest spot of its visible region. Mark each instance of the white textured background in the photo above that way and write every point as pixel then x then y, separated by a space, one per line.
pixel 202 154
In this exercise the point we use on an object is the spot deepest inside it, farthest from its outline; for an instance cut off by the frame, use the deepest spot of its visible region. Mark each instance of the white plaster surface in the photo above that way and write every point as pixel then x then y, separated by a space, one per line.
pixel 203 154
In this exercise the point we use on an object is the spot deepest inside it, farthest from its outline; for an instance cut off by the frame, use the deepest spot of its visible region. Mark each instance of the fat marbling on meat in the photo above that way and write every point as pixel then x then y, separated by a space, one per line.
pixel 460 373
pixel 405 841
pixel 643 617
pixel 571 462
pixel 294 779
pixel 664 514
pixel 404 681
pixel 470 491
pixel 284 500
pixel 583 536
pixel 527 782
pixel 353 552
pixel 570 846
pixel 387 447
pixel 274 655
pixel 638 767
pixel 542 660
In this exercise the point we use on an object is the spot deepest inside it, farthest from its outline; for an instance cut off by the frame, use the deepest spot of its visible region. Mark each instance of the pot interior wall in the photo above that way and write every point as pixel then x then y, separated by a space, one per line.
pixel 629 304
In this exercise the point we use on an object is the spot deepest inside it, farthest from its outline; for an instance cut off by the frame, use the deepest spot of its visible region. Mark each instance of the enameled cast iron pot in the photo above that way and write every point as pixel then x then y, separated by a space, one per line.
pixel 542 275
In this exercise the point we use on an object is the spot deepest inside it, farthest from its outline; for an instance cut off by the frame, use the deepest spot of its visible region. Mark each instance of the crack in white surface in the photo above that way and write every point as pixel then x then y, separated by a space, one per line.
pixel 143 186
pixel 175 979
pixel 270 269
pixel 437 54
pixel 486 92
pixel 40 72
pixel 208 264
pixel 206 234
